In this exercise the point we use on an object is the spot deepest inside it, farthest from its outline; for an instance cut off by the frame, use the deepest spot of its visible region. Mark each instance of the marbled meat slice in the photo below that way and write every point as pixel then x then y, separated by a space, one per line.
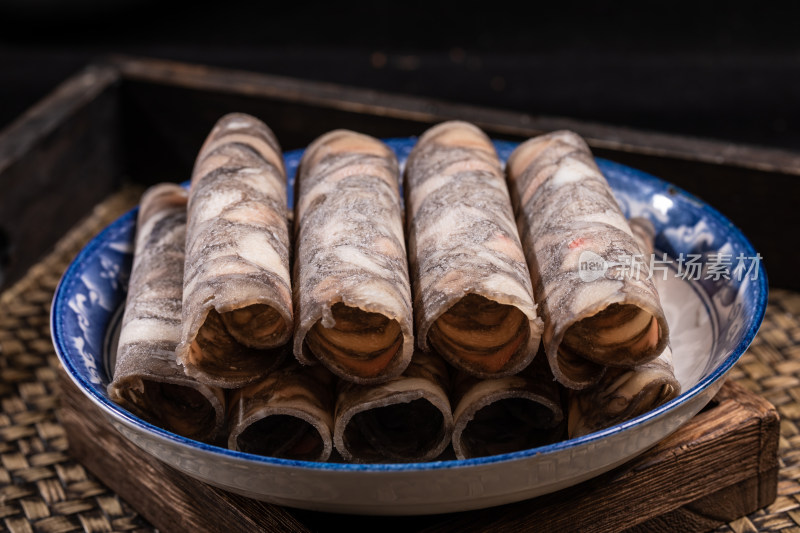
pixel 352 292
pixel 473 301
pixel 590 279
pixel 237 303
pixel 147 379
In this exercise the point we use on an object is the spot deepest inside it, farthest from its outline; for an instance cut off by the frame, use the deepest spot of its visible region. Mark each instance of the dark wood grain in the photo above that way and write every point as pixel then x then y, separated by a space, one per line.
pixel 721 465
pixel 168 499
pixel 711 511
pixel 170 106
pixel 428 111
pixel 145 120
pixel 56 162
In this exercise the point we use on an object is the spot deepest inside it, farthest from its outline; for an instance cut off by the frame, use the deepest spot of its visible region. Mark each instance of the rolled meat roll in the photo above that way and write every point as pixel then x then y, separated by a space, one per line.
pixel 473 300
pixel 645 233
pixel 508 414
pixel 147 379
pixel 589 278
pixel 622 394
pixel 352 292
pixel 407 418
pixel 237 303
pixel 288 414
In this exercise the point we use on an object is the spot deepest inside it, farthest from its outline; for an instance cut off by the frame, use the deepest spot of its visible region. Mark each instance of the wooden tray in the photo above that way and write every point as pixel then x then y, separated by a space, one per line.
pixel 139 120
pixel 721 465
pixel 144 120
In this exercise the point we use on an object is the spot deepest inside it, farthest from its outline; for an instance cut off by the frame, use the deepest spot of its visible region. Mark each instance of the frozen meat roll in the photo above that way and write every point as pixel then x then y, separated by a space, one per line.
pixel 147 379
pixel 590 280
pixel 287 414
pixel 237 303
pixel 352 294
pixel 507 414
pixel 625 393
pixel 407 418
pixel 473 301
pixel 622 394
pixel 645 233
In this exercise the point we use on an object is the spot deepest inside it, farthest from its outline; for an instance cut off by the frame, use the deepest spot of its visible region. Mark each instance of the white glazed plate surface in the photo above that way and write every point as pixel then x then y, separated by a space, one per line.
pixel 712 322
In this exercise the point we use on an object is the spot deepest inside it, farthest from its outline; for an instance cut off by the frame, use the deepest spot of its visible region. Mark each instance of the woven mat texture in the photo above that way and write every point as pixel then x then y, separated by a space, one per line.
pixel 42 489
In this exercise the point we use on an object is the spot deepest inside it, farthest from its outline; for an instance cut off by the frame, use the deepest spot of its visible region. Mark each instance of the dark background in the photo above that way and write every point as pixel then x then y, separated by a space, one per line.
pixel 711 69
pixel 707 69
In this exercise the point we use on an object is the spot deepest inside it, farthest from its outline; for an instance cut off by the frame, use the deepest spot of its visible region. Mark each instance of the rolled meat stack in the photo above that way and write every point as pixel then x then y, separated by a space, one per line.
pixel 212 304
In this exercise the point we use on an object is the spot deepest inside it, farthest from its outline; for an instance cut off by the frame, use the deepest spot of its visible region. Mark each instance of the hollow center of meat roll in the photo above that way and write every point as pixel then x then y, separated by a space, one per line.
pixel 480 334
pixel 284 436
pixel 619 335
pixel 400 432
pixel 256 326
pixel 361 343
pixel 215 351
pixel 178 408
pixel 508 425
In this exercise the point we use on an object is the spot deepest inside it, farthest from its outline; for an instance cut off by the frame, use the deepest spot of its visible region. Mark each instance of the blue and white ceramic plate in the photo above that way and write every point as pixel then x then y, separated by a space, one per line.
pixel 713 290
